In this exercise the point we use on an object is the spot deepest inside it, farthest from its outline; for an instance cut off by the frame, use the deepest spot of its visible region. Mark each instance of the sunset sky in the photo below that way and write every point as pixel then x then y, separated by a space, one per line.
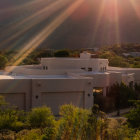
pixel 68 23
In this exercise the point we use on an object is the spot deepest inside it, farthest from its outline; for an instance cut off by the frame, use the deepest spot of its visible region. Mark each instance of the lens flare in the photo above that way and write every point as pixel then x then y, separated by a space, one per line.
pixel 136 7
pixel 98 22
pixel 117 22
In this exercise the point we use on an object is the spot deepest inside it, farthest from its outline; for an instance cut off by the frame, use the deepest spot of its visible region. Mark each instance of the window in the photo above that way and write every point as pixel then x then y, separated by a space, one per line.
pixel 83 68
pixel 98 90
pixel 89 69
pixel 45 67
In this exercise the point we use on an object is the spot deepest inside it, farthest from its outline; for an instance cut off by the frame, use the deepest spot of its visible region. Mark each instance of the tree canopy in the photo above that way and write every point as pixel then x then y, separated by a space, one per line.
pixel 3 61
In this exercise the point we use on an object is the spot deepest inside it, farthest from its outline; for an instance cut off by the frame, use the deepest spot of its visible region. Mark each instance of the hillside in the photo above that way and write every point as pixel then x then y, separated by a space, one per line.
pixel 87 27
pixel 115 54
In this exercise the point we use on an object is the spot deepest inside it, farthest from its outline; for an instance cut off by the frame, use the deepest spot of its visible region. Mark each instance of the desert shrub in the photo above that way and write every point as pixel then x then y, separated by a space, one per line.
pixel 134 115
pixel 62 53
pixel 120 133
pixel 97 124
pixel 2 103
pixel 49 133
pixel 106 104
pixel 9 120
pixel 121 94
pixel 137 135
pixel 40 117
pixel 3 61
pixel 7 135
pixel 72 122
pixel 76 123
pixel 34 134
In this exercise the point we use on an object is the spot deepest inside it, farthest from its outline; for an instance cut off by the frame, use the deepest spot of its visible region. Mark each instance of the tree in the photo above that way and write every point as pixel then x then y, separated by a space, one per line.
pixel 41 117
pixel 134 115
pixel 62 53
pixel 3 61
pixel 121 95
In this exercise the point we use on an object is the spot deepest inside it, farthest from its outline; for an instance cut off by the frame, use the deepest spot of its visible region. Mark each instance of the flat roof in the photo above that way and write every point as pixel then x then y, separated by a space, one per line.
pixel 94 72
pixel 71 58
pixel 41 77
pixel 119 68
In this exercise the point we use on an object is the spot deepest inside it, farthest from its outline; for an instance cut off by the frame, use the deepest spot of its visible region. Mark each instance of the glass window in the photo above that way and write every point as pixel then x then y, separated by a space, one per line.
pixel 89 69
pixel 98 90
pixel 83 68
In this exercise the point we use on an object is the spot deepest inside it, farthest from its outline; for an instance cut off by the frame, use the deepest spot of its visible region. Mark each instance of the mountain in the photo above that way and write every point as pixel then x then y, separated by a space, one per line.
pixel 93 23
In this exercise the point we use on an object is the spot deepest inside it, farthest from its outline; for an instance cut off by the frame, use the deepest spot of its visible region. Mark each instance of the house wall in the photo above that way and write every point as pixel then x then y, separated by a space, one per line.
pixel 17 92
pixel 30 93
pixel 136 72
pixel 55 93
pixel 70 63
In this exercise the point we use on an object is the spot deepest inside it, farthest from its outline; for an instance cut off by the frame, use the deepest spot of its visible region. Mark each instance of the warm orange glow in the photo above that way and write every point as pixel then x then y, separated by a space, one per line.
pixel 98 22
pixel 109 11
pixel 136 7
pixel 117 22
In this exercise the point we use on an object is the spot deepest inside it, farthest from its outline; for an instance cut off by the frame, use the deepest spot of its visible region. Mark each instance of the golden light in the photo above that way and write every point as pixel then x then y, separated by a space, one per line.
pixel 34 19
pixel 98 21
pixel 109 10
pixel 136 7
pixel 117 22
pixel 49 29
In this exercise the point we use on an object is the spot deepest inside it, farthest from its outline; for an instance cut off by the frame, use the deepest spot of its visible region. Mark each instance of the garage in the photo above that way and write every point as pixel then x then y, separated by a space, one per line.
pixel 15 99
pixel 55 99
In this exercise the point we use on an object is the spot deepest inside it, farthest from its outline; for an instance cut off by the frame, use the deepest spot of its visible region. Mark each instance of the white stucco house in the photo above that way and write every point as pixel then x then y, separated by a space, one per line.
pixel 58 81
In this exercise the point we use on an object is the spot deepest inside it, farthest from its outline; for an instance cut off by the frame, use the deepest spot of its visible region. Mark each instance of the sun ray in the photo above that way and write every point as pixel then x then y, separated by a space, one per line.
pixel 98 21
pixel 135 7
pixel 38 39
pixel 21 6
pixel 37 17
pixel 117 27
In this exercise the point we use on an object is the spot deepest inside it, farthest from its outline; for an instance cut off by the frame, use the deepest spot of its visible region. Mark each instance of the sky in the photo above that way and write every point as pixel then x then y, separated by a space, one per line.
pixel 57 24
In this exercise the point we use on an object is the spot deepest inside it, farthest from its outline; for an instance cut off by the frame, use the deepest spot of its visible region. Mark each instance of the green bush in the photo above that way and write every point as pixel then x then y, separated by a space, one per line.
pixel 7 135
pixel 137 135
pixel 62 53
pixel 97 124
pixel 134 116
pixel 72 123
pixel 3 61
pixel 49 133
pixel 34 134
pixel 40 118
pixel 8 119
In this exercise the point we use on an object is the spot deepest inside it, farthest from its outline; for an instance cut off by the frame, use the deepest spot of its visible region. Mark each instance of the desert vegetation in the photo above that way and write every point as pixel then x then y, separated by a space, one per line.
pixel 114 53
pixel 73 124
